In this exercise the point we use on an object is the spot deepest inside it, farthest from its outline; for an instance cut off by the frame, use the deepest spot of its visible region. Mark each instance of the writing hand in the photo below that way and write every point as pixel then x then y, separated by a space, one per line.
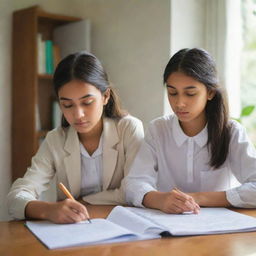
pixel 176 201
pixel 67 211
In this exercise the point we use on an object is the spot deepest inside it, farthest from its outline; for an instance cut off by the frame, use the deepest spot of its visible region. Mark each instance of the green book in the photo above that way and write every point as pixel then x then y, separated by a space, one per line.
pixel 49 57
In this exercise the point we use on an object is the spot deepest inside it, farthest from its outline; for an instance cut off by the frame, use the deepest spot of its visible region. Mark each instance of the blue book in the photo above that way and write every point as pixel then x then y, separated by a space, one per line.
pixel 49 65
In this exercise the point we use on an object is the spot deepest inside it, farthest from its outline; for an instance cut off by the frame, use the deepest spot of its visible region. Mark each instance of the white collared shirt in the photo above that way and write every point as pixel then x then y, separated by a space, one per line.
pixel 91 170
pixel 169 158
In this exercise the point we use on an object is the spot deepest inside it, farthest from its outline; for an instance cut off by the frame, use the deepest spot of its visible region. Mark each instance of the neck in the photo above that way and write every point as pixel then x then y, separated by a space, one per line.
pixel 193 127
pixel 94 134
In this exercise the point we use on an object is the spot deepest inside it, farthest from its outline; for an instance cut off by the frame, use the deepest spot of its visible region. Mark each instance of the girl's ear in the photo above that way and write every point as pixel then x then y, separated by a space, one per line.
pixel 211 94
pixel 106 96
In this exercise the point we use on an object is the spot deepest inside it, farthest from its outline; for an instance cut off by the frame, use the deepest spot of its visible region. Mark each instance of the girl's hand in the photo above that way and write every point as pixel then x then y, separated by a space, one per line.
pixel 176 201
pixel 67 211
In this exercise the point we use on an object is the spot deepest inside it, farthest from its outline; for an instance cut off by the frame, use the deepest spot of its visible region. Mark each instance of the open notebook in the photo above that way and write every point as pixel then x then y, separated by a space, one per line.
pixel 131 224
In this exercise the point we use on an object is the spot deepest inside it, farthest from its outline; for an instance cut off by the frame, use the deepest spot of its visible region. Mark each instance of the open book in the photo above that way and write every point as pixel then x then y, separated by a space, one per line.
pixel 130 224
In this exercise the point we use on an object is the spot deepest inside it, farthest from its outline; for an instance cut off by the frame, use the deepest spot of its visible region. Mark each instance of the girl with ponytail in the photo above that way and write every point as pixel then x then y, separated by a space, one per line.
pixel 90 153
pixel 196 156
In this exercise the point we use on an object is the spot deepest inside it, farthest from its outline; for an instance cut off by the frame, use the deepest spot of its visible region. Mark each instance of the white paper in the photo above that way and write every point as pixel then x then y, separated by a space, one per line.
pixel 208 221
pixel 99 231
pixel 137 224
pixel 130 224
pixel 84 233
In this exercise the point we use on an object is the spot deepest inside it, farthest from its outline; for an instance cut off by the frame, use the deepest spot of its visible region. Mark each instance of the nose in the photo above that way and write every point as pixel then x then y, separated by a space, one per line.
pixel 79 113
pixel 180 102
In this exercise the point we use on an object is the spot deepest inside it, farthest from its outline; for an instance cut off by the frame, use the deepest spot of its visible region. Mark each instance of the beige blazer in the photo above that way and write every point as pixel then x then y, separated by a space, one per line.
pixel 60 155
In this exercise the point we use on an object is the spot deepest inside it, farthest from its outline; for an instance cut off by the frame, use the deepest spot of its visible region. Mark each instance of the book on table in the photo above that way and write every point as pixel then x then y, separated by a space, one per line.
pixel 131 224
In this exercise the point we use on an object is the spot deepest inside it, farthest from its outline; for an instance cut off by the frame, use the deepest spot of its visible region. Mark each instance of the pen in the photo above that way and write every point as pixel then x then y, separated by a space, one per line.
pixel 68 194
pixel 187 212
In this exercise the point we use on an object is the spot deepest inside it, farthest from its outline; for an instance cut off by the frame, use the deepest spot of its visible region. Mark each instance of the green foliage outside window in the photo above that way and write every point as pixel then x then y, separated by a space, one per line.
pixel 245 112
pixel 248 68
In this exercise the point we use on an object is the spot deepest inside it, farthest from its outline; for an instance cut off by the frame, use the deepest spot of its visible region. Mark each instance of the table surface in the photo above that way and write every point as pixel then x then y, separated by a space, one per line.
pixel 16 239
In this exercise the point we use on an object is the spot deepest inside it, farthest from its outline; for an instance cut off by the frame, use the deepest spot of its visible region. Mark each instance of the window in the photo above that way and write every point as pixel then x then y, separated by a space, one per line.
pixel 248 64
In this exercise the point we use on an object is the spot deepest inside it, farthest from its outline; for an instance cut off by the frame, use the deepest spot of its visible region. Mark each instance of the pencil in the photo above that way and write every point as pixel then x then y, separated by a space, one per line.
pixel 175 188
pixel 68 194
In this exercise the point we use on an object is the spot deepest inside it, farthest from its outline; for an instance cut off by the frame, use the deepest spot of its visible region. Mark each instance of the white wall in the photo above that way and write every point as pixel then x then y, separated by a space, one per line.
pixel 132 39
pixel 187 24
pixel 187 28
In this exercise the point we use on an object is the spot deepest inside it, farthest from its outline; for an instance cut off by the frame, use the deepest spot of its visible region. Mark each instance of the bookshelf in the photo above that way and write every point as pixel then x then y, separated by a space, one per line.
pixel 32 93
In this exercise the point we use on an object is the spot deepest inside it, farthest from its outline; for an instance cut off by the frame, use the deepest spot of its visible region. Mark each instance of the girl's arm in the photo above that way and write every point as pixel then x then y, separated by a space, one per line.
pixel 242 160
pixel 211 199
pixel 174 201
pixel 142 177
pixel 67 211
pixel 36 180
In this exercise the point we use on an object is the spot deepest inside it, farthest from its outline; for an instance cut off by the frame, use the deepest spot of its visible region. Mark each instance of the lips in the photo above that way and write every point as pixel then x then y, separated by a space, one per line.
pixel 82 123
pixel 182 113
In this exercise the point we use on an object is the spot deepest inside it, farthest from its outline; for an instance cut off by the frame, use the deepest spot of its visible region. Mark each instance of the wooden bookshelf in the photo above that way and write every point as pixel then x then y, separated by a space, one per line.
pixel 32 93
pixel 44 77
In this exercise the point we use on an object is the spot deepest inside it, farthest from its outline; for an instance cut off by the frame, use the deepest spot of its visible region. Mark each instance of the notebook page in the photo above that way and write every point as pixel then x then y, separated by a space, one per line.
pixel 83 233
pixel 208 221
pixel 138 224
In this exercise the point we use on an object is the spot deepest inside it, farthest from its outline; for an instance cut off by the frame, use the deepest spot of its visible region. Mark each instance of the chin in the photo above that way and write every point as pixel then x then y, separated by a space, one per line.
pixel 184 118
pixel 83 129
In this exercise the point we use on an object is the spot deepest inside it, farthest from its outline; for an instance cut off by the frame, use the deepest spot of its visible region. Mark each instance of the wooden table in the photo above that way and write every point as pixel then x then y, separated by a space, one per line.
pixel 16 239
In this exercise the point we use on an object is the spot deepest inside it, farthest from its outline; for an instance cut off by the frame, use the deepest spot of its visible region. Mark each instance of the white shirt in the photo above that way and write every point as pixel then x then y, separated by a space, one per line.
pixel 91 170
pixel 168 158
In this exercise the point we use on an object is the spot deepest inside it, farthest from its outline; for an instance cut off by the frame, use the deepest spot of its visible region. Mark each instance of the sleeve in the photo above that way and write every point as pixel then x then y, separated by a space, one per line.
pixel 35 181
pixel 143 175
pixel 133 134
pixel 242 160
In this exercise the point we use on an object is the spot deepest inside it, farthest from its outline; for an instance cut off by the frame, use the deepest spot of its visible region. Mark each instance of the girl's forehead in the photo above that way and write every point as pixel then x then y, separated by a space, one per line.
pixel 181 80
pixel 76 85
pixel 77 89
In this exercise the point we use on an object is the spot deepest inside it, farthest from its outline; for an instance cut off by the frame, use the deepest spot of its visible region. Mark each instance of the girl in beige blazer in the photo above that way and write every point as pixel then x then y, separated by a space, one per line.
pixel 91 113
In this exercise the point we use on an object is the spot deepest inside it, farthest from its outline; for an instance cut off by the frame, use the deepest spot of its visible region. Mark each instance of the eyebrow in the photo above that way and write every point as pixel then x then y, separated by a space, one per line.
pixel 186 88
pixel 83 97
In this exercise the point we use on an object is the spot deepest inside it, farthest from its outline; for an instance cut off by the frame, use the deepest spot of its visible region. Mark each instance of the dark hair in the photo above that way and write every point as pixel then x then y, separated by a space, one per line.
pixel 198 64
pixel 85 67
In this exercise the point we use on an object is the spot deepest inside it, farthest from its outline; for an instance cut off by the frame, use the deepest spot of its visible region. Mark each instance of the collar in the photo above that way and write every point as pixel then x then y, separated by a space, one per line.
pixel 180 137
pixel 96 153
pixel 72 140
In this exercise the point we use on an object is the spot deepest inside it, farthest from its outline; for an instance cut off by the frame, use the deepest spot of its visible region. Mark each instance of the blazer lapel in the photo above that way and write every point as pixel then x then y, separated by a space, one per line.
pixel 73 162
pixel 110 154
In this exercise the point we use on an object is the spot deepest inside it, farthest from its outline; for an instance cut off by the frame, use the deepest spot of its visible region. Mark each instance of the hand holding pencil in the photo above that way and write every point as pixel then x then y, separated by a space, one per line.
pixel 174 201
pixel 187 202
pixel 72 210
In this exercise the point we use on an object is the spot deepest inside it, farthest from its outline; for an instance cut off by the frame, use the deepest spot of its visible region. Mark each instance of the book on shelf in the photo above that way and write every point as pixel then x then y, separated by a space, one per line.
pixel 37 118
pixel 130 224
pixel 48 55
pixel 40 54
pixel 67 39
pixel 56 114
pixel 49 65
